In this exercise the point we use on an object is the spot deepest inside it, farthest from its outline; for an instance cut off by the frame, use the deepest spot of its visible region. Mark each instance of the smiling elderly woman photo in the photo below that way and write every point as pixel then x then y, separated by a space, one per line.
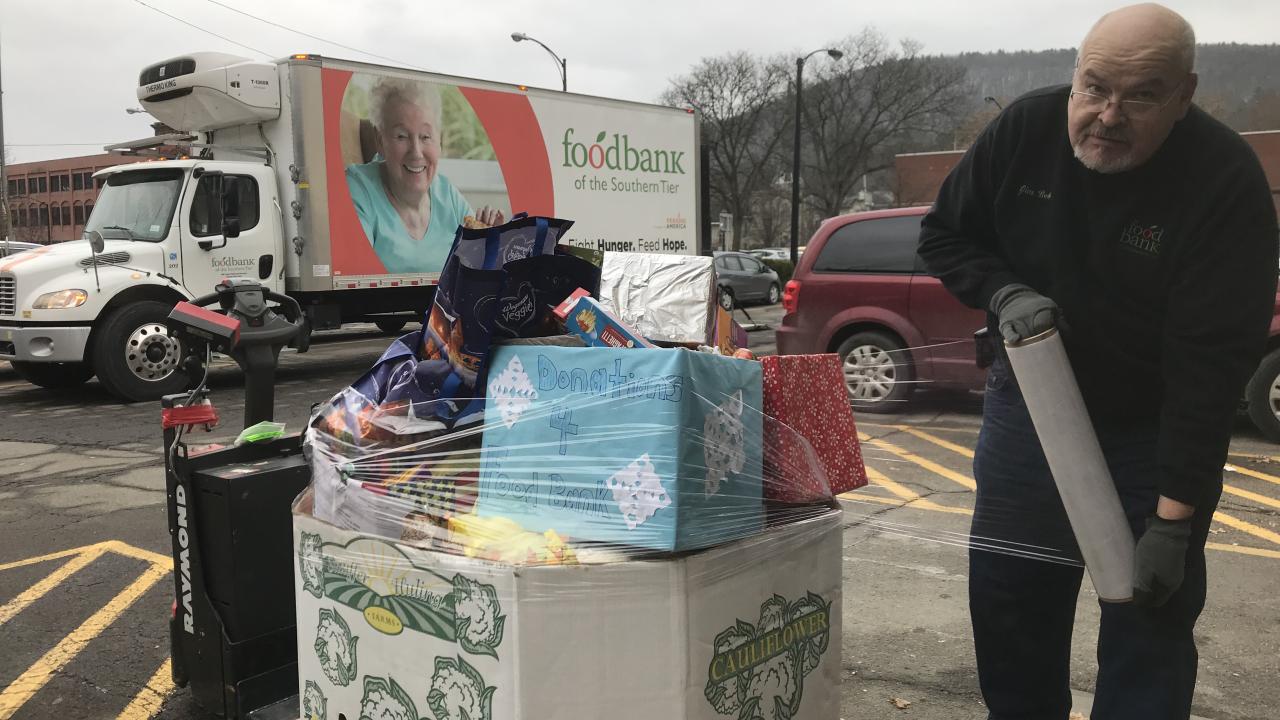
pixel 409 211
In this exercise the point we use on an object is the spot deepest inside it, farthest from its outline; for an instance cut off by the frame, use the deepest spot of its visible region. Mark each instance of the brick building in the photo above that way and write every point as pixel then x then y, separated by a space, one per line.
pixel 49 200
pixel 921 174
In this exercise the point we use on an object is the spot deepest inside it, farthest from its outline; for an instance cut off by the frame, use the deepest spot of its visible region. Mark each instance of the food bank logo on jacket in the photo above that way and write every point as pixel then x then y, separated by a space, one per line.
pixel 1146 240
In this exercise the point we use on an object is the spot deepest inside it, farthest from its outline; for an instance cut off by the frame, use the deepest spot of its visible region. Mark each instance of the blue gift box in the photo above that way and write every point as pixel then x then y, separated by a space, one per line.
pixel 653 448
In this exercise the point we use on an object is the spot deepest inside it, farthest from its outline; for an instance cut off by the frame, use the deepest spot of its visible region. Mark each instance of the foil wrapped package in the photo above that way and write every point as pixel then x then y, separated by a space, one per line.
pixel 666 298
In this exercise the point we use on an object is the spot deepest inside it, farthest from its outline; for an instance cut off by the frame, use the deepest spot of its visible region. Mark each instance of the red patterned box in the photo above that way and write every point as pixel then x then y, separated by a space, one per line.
pixel 806 396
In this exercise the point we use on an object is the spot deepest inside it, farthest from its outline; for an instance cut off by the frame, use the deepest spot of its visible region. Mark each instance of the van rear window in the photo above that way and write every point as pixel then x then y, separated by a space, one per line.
pixel 886 245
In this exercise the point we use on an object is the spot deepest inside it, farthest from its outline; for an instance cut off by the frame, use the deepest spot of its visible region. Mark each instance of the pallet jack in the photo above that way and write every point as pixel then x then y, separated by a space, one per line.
pixel 232 632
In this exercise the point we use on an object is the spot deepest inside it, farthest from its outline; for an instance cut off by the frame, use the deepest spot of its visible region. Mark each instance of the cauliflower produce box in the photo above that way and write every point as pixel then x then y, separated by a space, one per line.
pixel 745 630
pixel 652 448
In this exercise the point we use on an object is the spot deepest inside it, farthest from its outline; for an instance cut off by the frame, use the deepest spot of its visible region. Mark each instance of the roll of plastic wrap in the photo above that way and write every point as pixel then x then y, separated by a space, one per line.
pixel 1093 506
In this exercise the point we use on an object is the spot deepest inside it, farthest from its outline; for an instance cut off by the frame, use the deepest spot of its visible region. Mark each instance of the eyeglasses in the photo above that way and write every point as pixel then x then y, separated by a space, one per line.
pixel 1093 102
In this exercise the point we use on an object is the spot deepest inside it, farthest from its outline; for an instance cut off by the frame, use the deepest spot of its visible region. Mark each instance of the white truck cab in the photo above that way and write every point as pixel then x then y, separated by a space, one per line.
pixel 164 241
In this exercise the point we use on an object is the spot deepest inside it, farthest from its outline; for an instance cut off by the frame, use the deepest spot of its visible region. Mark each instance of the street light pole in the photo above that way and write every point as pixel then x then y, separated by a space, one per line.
pixel 795 156
pixel 562 65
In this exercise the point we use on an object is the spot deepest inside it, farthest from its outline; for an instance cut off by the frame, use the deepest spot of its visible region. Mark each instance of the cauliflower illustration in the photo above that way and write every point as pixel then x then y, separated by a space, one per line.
pixel 478 617
pixel 384 699
pixel 458 692
pixel 336 648
pixel 310 564
pixel 724 442
pixel 773 686
pixel 314 703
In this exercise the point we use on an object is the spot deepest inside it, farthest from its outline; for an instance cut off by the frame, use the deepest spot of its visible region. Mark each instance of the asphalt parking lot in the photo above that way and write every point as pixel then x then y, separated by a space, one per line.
pixel 86 590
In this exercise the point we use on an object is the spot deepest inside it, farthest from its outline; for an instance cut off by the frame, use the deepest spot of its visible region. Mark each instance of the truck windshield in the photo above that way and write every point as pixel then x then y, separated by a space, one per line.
pixel 137 205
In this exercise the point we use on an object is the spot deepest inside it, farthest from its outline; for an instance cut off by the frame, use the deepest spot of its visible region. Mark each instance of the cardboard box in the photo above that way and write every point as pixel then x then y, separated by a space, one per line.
pixel 409 633
pixel 655 448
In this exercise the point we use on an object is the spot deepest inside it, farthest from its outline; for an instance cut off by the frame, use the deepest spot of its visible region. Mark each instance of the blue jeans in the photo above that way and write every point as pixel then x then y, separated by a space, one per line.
pixel 1022 589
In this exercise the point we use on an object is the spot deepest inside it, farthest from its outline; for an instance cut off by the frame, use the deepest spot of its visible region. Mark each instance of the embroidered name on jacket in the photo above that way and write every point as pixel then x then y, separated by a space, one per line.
pixel 1146 240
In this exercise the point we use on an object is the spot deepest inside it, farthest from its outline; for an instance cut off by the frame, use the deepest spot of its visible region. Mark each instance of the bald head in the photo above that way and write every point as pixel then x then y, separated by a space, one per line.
pixel 1133 81
pixel 1144 33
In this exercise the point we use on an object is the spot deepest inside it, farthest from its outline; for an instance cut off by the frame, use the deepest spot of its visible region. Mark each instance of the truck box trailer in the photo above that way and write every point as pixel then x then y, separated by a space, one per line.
pixel 340 183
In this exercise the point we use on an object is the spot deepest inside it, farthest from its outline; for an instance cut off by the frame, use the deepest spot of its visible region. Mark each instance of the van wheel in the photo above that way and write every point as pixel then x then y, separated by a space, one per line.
pixel 1263 396
pixel 135 358
pixel 55 376
pixel 877 372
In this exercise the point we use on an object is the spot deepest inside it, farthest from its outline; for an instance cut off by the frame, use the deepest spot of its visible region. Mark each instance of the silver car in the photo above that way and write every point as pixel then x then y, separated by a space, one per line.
pixel 742 279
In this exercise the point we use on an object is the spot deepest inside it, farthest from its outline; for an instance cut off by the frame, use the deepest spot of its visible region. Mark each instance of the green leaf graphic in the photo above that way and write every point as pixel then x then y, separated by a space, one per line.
pixel 600 137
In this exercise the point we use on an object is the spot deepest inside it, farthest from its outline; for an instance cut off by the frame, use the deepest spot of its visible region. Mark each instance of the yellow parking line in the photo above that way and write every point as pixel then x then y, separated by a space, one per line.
pixel 138 553
pixel 1250 528
pixel 146 704
pixel 1257 552
pixel 1260 499
pixel 958 449
pixel 37 591
pixel 934 428
pixel 1252 473
pixel 909 496
pixel 39 674
pixel 44 558
pixel 929 465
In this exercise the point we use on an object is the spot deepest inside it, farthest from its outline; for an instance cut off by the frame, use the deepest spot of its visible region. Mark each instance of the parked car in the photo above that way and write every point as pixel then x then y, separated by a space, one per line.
pixel 13 247
pixel 864 294
pixel 742 278
pixel 772 253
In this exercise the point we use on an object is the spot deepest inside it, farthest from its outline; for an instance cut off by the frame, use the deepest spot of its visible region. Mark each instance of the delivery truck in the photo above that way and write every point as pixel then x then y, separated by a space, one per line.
pixel 338 183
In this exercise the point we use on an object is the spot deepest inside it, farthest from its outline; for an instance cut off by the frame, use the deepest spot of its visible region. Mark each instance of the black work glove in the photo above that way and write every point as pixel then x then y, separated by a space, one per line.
pixel 1160 561
pixel 1022 313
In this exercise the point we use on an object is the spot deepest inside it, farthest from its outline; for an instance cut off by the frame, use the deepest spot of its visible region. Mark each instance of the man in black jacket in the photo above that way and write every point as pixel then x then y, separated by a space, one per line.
pixel 1143 229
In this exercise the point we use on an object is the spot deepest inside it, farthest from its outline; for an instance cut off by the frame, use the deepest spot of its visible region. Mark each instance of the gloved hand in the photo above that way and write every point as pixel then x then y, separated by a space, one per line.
pixel 1022 312
pixel 1160 561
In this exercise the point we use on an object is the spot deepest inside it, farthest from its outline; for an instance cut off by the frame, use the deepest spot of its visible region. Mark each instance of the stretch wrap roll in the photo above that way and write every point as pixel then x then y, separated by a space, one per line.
pixel 1079 470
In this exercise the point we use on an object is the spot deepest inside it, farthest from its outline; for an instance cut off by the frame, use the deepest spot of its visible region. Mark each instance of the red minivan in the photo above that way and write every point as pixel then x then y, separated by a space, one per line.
pixel 861 291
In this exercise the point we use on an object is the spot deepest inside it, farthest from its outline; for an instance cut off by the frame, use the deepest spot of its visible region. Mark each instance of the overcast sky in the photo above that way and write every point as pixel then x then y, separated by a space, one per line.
pixel 70 66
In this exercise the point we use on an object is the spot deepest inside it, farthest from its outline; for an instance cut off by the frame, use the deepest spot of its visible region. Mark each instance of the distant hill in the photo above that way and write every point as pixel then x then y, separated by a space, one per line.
pixel 1239 84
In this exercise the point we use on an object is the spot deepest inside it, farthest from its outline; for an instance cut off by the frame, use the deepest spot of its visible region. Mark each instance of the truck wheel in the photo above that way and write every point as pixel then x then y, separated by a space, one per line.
pixel 55 376
pixel 877 372
pixel 1263 396
pixel 391 326
pixel 135 358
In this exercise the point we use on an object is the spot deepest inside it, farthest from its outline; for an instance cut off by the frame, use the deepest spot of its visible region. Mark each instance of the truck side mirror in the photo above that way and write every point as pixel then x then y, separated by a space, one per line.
pixel 230 227
pixel 96 241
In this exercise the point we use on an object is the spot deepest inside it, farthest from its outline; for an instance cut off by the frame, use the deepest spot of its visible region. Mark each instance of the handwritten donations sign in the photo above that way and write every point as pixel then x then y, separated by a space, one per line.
pixel 652 448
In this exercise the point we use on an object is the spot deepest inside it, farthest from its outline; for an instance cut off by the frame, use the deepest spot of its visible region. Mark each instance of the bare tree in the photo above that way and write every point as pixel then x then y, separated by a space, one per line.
pixel 736 95
pixel 860 110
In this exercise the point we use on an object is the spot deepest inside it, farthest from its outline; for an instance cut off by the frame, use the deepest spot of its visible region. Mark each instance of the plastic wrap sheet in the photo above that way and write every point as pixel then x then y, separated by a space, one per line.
pixel 1075 458
pixel 597 546
pixel 614 452
pixel 669 298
